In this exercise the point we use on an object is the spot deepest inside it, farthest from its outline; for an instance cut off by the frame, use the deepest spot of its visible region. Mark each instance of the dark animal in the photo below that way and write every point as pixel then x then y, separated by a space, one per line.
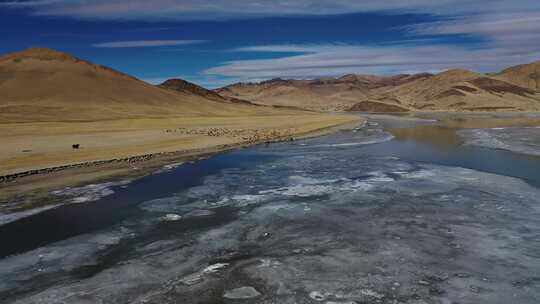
pixel 76 146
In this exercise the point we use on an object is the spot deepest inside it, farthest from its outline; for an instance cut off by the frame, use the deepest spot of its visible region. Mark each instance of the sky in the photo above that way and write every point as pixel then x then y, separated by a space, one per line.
pixel 217 42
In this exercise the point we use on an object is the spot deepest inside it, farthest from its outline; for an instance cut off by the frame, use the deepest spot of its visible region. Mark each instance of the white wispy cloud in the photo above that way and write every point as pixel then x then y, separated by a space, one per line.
pixel 513 32
pixel 507 39
pixel 211 9
pixel 35 3
pixel 509 32
pixel 290 48
pixel 144 43
pixel 335 60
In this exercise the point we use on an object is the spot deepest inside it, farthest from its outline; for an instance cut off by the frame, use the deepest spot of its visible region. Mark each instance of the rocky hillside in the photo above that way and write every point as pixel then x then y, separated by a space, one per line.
pixel 328 94
pixel 187 87
pixel 514 89
pixel 458 90
pixel 525 75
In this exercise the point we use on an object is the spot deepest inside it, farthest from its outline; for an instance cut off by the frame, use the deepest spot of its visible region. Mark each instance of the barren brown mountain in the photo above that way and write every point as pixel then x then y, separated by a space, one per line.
pixel 46 85
pixel 329 94
pixel 525 75
pixel 183 86
pixel 58 110
pixel 458 90
pixel 514 89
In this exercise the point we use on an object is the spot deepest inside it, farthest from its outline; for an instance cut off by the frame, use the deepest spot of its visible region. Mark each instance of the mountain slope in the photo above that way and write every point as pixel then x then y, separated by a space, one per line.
pixel 187 87
pixel 525 75
pixel 328 94
pixel 46 85
pixel 458 90
pixel 514 89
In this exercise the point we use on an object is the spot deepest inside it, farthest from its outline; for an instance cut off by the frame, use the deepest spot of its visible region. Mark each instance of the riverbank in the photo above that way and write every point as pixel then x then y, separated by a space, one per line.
pixel 37 158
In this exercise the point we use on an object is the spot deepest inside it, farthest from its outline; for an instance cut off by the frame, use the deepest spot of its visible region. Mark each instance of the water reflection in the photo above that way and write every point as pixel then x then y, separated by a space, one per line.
pixel 438 136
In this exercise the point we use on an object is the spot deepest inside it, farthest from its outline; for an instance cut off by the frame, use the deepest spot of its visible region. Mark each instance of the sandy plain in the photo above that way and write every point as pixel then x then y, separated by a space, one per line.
pixel 43 151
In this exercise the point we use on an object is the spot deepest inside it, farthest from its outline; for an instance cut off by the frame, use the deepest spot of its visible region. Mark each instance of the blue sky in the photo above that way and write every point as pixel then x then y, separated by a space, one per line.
pixel 216 42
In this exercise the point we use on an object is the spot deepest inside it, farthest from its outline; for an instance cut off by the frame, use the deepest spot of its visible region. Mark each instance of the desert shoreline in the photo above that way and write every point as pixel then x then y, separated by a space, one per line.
pixel 29 189
pixel 34 184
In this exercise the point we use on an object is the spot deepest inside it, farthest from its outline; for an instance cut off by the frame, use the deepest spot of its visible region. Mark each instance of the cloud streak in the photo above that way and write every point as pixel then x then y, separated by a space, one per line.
pixel 145 43
pixel 212 9
pixel 508 38
pixel 505 33
pixel 514 32
pixel 335 60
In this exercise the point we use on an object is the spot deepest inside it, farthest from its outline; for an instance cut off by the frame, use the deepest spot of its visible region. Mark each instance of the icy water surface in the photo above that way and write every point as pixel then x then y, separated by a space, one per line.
pixel 521 140
pixel 366 216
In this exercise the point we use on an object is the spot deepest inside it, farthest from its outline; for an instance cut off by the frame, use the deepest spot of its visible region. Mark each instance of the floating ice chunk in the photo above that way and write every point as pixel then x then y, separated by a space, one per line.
pixel 357 186
pixel 379 179
pixel 199 213
pixel 171 217
pixel 166 204
pixel 62 256
pixel 521 140
pixel 371 293
pixel 240 200
pixel 358 138
pixel 317 296
pixel 215 267
pixel 402 173
pixel 192 279
pixel 310 181
pixel 222 202
pixel 316 187
pixel 302 190
pixel 11 217
pixel 366 142
pixel 418 174
pixel 248 199
pixel 482 138
pixel 269 263
pixel 245 292
pixel 89 193
pixel 107 239
pixel 198 276
pixel 169 167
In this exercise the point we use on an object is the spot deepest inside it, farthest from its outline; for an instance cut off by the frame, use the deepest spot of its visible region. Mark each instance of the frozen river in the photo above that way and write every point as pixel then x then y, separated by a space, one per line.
pixel 398 212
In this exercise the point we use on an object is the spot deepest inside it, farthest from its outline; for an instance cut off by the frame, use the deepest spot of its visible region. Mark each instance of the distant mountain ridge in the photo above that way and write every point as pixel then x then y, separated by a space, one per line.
pixel 327 94
pixel 181 85
pixel 459 90
pixel 40 84
pixel 513 89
